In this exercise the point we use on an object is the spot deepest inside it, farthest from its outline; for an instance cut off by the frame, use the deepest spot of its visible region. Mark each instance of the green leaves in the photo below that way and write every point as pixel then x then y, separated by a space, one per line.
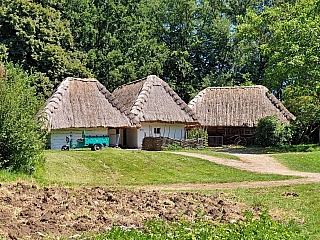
pixel 40 40
pixel 21 139
pixel 271 132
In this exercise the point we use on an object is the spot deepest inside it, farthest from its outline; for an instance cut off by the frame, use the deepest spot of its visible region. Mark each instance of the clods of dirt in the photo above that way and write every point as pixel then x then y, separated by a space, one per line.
pixel 290 194
pixel 29 211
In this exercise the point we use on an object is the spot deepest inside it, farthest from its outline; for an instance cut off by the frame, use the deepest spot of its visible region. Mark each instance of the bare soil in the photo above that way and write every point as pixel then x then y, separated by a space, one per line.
pixel 32 212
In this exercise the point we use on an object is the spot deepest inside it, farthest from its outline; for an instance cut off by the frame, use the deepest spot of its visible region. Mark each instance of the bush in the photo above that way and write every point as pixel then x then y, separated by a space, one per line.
pixel 197 133
pixel 21 138
pixel 271 132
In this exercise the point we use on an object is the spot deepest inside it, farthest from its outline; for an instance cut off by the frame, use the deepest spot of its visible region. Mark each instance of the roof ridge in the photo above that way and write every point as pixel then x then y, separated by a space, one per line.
pixel 114 102
pixel 82 79
pixel 53 102
pixel 230 87
pixel 56 97
pixel 143 96
pixel 193 101
pixel 275 101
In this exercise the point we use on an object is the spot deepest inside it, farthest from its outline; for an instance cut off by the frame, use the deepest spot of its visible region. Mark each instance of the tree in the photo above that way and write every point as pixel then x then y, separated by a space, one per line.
pixel 304 102
pixel 40 41
pixel 117 36
pixel 21 138
pixel 197 37
pixel 253 31
pixel 287 36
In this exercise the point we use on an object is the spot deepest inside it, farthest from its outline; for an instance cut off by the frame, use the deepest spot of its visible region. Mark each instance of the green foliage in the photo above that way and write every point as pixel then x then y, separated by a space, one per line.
pixel 39 39
pixel 271 132
pixel 3 53
pixel 21 140
pixel 197 37
pixel 263 227
pixel 279 47
pixel 117 36
pixel 173 147
pixel 198 133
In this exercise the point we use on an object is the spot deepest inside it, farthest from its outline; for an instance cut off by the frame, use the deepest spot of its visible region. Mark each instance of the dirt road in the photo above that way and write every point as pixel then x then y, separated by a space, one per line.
pixel 258 163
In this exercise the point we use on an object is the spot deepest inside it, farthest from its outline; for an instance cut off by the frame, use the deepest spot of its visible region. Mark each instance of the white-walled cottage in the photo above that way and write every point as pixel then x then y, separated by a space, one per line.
pixel 158 109
pixel 84 104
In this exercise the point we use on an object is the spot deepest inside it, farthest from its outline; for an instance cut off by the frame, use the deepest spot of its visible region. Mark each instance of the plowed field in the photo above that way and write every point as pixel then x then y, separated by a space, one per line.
pixel 29 211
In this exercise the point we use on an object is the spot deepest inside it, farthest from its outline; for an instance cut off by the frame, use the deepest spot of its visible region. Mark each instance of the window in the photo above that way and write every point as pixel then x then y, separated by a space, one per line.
pixel 156 130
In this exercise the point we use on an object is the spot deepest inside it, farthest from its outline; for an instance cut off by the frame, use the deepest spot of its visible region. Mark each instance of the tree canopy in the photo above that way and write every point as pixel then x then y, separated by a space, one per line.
pixel 191 44
pixel 21 137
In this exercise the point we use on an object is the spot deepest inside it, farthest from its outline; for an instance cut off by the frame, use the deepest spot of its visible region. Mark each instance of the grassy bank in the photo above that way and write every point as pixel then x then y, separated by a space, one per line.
pixel 112 167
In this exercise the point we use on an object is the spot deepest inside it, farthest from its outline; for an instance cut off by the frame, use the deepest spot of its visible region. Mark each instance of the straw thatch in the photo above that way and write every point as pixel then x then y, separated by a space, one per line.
pixel 152 100
pixel 237 106
pixel 84 103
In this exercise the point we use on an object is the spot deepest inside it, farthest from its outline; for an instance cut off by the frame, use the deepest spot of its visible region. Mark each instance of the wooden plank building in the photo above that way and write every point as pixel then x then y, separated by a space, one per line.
pixel 231 114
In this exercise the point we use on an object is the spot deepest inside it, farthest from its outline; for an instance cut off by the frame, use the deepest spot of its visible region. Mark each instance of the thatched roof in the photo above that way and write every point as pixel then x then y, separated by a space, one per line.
pixel 237 106
pixel 152 100
pixel 83 103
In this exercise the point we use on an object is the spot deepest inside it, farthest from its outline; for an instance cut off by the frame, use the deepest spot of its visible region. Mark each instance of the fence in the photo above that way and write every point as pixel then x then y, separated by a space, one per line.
pixel 158 143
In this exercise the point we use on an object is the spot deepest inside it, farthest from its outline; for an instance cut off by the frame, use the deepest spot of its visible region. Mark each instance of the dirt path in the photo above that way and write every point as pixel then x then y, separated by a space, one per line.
pixel 257 163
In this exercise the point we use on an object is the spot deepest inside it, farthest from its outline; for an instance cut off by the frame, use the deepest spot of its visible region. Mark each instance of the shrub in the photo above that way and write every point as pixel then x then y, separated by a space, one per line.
pixel 271 132
pixel 197 133
pixel 21 139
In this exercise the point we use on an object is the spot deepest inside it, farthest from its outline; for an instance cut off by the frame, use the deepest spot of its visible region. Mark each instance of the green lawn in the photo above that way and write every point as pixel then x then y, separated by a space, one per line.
pixel 210 152
pixel 302 207
pixel 305 162
pixel 115 167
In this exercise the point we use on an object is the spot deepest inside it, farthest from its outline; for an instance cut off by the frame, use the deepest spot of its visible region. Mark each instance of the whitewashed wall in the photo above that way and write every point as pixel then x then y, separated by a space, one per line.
pixel 58 137
pixel 175 131
pixel 134 137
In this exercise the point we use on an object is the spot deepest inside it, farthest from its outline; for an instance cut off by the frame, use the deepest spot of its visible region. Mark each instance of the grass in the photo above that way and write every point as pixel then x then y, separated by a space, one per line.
pixel 288 148
pixel 209 152
pixel 303 207
pixel 250 228
pixel 116 167
pixel 299 203
pixel 305 162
